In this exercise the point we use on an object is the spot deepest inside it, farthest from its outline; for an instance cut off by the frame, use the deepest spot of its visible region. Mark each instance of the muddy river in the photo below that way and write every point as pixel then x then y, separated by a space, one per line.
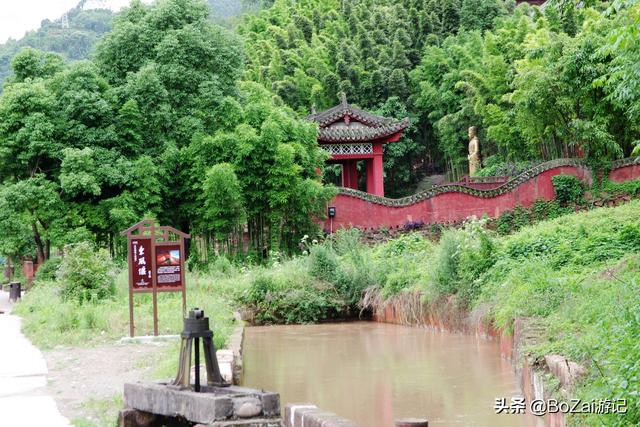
pixel 374 373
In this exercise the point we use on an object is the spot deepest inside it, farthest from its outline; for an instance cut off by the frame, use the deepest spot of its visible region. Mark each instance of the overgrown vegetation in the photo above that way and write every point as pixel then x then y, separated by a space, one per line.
pixel 577 272
pixel 86 274
pixel 568 189
pixel 52 320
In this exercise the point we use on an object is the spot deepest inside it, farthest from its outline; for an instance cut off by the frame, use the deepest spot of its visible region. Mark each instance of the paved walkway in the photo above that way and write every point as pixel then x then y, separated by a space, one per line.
pixel 23 378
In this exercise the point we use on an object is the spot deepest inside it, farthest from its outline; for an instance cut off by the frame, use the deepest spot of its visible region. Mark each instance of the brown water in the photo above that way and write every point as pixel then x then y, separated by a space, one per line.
pixel 373 373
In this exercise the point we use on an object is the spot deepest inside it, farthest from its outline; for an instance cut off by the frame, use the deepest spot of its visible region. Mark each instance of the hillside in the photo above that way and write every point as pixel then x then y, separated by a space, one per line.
pixel 75 38
pixel 73 43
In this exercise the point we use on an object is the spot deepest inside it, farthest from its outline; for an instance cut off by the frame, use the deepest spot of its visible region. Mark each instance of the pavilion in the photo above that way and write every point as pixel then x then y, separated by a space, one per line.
pixel 350 135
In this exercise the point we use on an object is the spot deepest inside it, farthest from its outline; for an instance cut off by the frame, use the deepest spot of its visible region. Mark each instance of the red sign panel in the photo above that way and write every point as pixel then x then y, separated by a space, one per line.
pixel 168 266
pixel 142 270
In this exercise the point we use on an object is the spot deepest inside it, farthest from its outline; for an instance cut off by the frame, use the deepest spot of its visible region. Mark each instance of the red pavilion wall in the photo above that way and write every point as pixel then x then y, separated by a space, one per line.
pixel 352 211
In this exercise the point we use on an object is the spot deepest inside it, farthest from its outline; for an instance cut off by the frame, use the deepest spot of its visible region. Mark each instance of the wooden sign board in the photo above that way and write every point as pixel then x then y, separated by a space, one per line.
pixel 156 264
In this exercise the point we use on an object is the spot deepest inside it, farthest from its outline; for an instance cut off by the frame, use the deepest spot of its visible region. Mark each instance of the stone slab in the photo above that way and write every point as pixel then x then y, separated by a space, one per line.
pixel 270 401
pixel 204 408
pixel 212 404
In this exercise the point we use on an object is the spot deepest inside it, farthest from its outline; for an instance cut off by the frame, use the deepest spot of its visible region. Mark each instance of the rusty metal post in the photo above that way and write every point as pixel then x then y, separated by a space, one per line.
pixel 412 422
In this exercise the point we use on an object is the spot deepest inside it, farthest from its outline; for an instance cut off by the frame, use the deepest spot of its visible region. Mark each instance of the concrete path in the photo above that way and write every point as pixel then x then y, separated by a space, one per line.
pixel 23 378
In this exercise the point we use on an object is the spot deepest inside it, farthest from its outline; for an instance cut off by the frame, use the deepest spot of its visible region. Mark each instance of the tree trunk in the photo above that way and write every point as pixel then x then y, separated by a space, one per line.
pixel 40 251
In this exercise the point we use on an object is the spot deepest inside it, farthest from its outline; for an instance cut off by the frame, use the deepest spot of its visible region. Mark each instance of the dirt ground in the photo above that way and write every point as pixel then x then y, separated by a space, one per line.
pixel 87 383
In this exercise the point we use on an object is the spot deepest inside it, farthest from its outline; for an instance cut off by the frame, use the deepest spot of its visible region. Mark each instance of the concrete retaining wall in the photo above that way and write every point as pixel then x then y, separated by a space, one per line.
pixel 308 415
pixel 230 358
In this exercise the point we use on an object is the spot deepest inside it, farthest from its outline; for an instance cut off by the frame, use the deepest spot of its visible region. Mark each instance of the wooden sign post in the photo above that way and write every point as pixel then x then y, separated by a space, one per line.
pixel 156 264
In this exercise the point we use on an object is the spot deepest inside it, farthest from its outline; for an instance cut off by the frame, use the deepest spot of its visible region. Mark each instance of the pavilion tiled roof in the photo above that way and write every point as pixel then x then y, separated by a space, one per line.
pixel 373 126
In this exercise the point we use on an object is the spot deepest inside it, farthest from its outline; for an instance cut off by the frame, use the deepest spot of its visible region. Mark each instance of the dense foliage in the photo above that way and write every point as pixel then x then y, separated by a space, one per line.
pixel 87 275
pixel 539 84
pixel 88 148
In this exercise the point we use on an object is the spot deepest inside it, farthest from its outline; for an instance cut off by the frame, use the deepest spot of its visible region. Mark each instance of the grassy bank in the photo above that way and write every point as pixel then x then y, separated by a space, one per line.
pixel 50 320
pixel 578 274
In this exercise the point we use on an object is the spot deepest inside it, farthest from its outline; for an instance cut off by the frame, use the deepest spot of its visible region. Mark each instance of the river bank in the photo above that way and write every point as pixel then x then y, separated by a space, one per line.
pixel 557 293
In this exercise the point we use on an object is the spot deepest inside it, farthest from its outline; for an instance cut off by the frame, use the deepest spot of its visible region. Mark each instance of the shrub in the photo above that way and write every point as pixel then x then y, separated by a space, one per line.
pixel 445 262
pixel 631 187
pixel 221 266
pixel 48 270
pixel 399 264
pixel 86 274
pixel 347 241
pixel 504 224
pixel 323 263
pixel 476 256
pixel 287 295
pixel 568 189
pixel 630 236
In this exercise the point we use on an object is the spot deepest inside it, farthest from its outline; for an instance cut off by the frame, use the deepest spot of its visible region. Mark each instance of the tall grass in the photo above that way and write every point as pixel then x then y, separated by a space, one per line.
pixel 50 320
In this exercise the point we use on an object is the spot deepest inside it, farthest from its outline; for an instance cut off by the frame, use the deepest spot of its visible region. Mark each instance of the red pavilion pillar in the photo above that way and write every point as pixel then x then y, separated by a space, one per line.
pixel 350 174
pixel 375 176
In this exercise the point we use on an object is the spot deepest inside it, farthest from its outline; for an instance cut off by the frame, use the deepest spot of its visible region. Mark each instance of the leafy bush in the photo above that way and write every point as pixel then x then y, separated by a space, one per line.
pixel 221 266
pixel 398 265
pixel 445 262
pixel 629 236
pixel 48 270
pixel 504 223
pixel 287 294
pixel 568 189
pixel 86 273
pixel 477 254
pixel 631 187
pixel 323 263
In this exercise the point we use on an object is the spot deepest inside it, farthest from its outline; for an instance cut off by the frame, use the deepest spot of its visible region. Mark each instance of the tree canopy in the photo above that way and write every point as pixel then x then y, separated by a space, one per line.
pixel 201 125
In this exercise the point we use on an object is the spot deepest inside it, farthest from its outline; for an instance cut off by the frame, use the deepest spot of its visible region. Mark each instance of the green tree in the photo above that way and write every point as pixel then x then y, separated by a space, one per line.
pixel 274 157
pixel 223 213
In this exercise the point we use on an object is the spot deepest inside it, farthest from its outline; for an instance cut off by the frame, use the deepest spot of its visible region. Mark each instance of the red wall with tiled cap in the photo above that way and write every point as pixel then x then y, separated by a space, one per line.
pixel 456 206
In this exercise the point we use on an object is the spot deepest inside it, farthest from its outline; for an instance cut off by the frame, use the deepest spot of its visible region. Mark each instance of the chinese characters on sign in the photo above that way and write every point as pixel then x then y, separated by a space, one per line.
pixel 142 273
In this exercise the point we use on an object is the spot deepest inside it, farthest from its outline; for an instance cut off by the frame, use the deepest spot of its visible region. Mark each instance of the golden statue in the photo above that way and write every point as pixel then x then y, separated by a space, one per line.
pixel 475 161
